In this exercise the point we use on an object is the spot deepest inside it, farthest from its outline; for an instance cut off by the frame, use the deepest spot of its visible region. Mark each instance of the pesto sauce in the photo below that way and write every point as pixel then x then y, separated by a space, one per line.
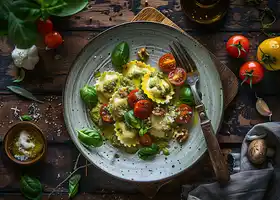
pixel 26 145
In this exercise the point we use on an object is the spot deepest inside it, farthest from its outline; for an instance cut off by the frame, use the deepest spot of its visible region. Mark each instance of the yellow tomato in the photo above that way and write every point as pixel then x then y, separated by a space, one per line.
pixel 269 54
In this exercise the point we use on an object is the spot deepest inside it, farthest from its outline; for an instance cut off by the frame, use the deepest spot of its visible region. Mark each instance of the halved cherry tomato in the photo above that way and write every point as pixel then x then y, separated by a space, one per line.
pixel 145 140
pixel 251 72
pixel 177 76
pixel 167 62
pixel 44 27
pixel 133 97
pixel 143 109
pixel 238 46
pixel 185 113
pixel 105 114
pixel 53 40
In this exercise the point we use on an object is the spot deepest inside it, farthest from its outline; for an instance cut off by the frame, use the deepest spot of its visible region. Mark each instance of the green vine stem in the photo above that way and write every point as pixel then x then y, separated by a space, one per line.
pixel 268 59
pixel 66 179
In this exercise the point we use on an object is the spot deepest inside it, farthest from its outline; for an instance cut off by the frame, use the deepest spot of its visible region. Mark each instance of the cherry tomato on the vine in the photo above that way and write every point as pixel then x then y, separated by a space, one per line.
pixel 44 27
pixel 53 40
pixel 185 113
pixel 167 62
pixel 105 114
pixel 238 46
pixel 133 97
pixel 177 76
pixel 145 140
pixel 251 72
pixel 143 109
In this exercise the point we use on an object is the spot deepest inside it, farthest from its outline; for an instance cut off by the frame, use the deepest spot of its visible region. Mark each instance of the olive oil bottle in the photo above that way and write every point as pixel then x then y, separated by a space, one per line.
pixel 205 11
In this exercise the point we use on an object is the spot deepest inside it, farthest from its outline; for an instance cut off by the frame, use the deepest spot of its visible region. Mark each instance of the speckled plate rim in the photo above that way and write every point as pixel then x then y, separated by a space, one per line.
pixel 79 146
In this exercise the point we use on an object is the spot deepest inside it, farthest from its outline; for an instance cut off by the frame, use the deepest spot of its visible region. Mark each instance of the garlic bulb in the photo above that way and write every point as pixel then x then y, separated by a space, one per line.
pixel 263 108
pixel 25 58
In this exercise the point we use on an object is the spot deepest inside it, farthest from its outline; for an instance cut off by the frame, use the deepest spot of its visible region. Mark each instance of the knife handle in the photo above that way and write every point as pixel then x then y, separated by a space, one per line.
pixel 215 153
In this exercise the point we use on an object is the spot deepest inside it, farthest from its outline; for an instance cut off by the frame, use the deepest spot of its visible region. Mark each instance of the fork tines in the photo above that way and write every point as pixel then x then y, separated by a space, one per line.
pixel 182 56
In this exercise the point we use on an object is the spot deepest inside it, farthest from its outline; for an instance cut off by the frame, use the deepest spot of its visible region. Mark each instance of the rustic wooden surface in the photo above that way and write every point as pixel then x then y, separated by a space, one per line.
pixel 47 82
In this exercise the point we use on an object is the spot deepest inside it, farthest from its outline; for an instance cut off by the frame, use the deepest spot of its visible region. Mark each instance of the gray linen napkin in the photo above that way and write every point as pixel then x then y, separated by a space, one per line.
pixel 251 183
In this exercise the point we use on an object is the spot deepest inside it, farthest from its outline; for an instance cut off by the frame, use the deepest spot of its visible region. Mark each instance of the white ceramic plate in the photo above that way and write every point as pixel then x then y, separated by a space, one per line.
pixel 96 56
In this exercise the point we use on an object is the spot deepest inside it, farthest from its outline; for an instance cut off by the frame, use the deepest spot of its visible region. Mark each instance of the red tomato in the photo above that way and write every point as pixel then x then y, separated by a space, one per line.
pixel 53 40
pixel 105 114
pixel 44 27
pixel 145 140
pixel 177 76
pixel 251 72
pixel 185 113
pixel 167 62
pixel 238 46
pixel 133 97
pixel 143 109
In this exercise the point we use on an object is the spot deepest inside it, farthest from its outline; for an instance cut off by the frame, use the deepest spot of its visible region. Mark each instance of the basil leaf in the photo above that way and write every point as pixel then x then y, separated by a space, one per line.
pixel 131 121
pixel 73 185
pixel 146 153
pixel 30 187
pixel 25 118
pixel 23 92
pixel 120 55
pixel 50 7
pixel 22 33
pixel 20 76
pixel 143 131
pixel 5 7
pixel 89 96
pixel 72 7
pixel 186 96
pixel 26 10
pixel 90 137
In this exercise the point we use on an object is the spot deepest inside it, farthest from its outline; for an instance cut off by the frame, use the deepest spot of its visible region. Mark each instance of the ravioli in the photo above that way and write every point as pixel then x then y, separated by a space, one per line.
pixel 118 104
pixel 128 137
pixel 135 70
pixel 108 83
pixel 161 126
pixel 157 87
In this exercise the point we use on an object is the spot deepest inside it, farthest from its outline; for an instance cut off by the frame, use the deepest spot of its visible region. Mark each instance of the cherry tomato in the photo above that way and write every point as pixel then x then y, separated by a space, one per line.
pixel 133 97
pixel 44 27
pixel 185 113
pixel 53 40
pixel 143 109
pixel 145 140
pixel 251 72
pixel 177 76
pixel 167 62
pixel 238 46
pixel 105 114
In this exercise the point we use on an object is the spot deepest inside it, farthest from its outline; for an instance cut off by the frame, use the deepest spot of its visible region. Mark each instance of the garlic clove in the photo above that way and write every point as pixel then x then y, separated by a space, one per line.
pixel 263 108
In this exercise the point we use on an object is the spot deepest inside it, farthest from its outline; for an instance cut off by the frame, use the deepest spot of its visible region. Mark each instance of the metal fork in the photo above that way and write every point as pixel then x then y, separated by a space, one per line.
pixel 185 61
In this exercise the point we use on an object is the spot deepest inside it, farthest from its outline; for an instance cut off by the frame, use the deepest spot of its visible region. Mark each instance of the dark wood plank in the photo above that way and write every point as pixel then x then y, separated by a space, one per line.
pixel 87 196
pixel 59 162
pixel 50 119
pixel 103 14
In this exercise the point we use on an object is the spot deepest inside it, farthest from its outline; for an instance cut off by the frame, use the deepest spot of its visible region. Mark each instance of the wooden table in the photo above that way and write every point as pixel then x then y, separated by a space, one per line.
pixel 47 82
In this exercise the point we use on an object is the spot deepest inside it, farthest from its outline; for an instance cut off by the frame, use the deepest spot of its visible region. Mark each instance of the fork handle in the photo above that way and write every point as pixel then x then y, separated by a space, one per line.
pixel 216 156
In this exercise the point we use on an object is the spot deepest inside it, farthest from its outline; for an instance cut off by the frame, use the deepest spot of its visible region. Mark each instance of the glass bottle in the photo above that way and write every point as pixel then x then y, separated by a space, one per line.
pixel 205 11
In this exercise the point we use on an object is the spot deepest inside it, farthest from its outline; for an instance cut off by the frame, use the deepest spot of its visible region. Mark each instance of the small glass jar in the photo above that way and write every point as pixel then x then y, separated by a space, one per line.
pixel 205 11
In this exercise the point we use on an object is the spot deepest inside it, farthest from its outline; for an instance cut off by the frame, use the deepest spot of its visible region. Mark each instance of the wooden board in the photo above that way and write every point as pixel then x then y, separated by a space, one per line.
pixel 229 80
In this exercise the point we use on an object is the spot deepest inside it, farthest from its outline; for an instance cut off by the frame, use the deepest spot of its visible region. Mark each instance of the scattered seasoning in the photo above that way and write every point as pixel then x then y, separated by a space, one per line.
pixel 16 111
